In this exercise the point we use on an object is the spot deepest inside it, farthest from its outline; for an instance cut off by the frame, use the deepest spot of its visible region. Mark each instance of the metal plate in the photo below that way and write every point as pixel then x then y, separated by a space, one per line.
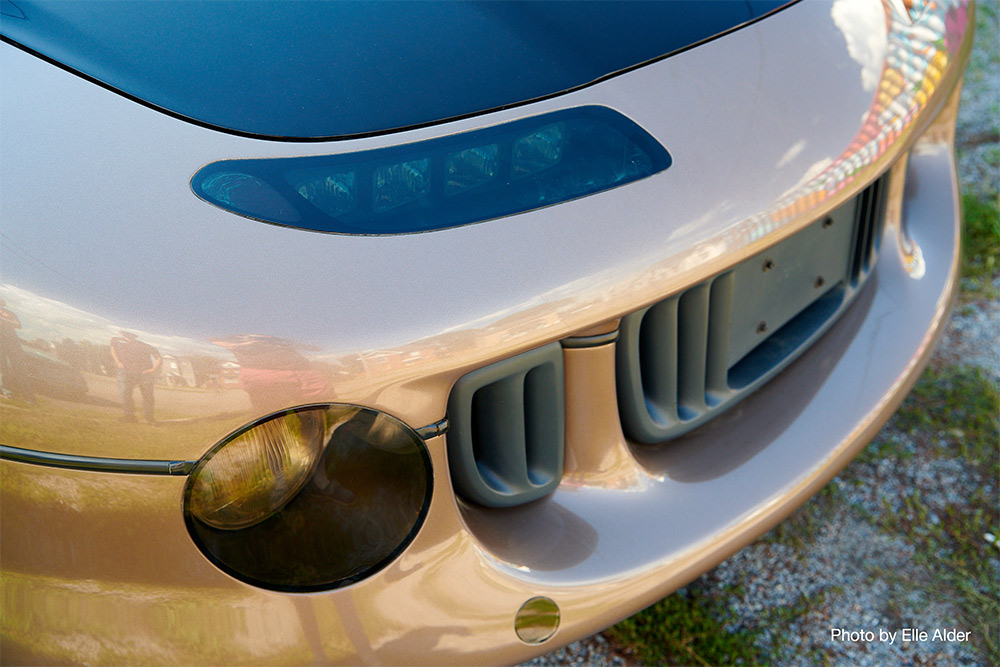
pixel 778 284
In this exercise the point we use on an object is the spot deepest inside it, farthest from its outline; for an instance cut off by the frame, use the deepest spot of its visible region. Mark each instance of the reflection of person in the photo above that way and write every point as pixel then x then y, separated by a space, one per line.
pixel 273 373
pixel 137 366
pixel 13 370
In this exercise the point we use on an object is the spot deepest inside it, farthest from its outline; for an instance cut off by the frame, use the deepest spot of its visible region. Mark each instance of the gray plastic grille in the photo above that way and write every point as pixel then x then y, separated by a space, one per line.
pixel 685 359
pixel 505 443
pixel 868 232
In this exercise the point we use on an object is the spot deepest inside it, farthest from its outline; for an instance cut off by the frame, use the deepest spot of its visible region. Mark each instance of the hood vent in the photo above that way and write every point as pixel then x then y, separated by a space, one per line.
pixel 505 443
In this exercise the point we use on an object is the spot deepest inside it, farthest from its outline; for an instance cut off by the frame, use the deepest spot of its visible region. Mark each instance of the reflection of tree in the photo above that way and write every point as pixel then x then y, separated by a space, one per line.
pixel 205 368
pixel 96 358
pixel 70 352
pixel 39 344
pixel 352 364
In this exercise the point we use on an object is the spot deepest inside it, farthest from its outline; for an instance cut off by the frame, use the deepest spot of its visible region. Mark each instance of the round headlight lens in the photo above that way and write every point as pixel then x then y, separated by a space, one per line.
pixel 259 469
pixel 310 499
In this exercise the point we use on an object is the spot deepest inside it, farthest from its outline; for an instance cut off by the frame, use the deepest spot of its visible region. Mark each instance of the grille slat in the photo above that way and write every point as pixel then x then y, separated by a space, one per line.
pixel 658 345
pixel 543 461
pixel 692 351
pixel 874 225
pixel 860 234
pixel 498 418
pixel 719 322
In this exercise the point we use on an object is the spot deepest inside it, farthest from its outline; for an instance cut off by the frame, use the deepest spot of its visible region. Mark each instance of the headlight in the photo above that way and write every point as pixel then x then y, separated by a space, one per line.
pixel 310 499
pixel 439 183
pixel 257 471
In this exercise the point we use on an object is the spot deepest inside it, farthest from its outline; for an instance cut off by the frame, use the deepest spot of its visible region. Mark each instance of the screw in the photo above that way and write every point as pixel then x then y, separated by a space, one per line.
pixel 820 282
pixel 762 327
pixel 828 223
pixel 768 265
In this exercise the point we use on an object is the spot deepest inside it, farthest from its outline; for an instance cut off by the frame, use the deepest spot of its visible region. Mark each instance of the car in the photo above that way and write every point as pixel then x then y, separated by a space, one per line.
pixel 55 377
pixel 459 331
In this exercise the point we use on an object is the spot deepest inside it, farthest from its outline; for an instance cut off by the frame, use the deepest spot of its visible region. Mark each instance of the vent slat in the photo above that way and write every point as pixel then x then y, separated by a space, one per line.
pixel 719 319
pixel 862 223
pixel 543 462
pixel 658 358
pixel 874 216
pixel 692 351
pixel 498 419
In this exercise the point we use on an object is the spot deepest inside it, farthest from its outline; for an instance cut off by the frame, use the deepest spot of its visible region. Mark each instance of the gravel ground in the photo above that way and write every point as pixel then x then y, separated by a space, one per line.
pixel 850 574
pixel 978 129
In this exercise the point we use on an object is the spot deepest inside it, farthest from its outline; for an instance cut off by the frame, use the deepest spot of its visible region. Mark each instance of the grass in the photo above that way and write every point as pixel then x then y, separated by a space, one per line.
pixel 689 628
pixel 950 538
pixel 981 248
pixel 954 559
pixel 961 403
pixel 697 626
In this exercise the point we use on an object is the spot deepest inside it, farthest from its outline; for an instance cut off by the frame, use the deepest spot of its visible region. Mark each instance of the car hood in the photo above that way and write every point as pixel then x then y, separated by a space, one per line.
pixel 322 70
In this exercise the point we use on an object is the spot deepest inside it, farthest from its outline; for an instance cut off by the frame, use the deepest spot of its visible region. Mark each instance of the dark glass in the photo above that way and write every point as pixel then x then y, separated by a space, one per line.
pixel 315 69
pixel 455 180
pixel 363 504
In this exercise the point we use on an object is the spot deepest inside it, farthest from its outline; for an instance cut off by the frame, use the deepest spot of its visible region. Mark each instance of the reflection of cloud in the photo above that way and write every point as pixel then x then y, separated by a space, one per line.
pixel 792 153
pixel 811 173
pixel 719 211
pixel 863 25
pixel 45 318
pixel 54 320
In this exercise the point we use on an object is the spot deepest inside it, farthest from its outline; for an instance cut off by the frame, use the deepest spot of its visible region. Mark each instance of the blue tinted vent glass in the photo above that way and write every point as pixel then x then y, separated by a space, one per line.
pixel 455 180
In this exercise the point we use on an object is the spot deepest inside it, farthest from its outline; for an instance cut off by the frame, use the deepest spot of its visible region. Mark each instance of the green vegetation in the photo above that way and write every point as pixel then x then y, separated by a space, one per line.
pixel 697 626
pixel 953 555
pixel 981 251
pixel 962 404
pixel 689 628
pixel 950 540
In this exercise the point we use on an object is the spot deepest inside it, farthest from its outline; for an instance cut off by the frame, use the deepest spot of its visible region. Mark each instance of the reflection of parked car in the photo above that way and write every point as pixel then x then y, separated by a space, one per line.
pixel 53 377
pixel 613 286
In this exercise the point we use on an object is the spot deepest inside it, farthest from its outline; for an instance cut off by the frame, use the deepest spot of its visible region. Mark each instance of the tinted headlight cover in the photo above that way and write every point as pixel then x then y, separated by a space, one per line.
pixel 440 183
pixel 349 489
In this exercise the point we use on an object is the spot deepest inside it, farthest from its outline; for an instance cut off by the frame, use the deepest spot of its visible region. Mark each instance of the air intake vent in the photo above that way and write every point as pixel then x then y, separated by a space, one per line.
pixel 685 359
pixel 505 443
pixel 671 361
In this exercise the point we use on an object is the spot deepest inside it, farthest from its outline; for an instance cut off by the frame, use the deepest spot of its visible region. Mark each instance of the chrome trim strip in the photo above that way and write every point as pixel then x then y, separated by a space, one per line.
pixel 433 430
pixel 94 463
pixel 574 342
pixel 141 466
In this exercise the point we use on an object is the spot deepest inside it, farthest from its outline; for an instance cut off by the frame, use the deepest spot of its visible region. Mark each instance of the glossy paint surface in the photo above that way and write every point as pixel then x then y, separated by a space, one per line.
pixel 258 318
pixel 628 524
pixel 469 570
